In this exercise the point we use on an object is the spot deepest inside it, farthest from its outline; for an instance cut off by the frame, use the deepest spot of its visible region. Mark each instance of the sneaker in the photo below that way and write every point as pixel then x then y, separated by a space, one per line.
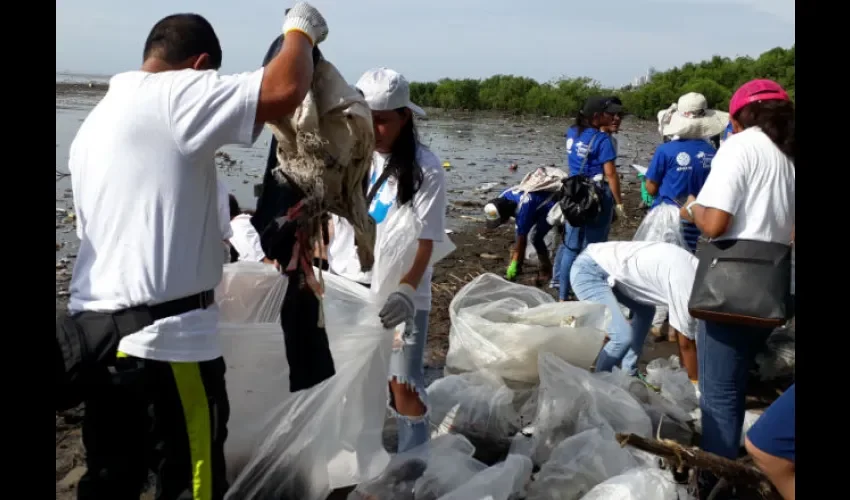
pixel 554 284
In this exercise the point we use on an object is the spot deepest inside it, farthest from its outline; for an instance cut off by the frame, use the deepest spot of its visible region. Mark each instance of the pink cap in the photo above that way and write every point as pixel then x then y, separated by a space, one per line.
pixel 756 90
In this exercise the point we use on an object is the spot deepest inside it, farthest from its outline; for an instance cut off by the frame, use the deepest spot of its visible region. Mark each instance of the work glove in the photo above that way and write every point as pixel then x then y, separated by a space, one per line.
pixel 399 307
pixel 512 271
pixel 621 211
pixel 306 19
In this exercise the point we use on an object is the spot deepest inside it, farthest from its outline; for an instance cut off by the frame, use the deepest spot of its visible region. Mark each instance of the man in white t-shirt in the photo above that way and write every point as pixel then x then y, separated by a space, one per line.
pixel 144 184
pixel 244 238
pixel 641 275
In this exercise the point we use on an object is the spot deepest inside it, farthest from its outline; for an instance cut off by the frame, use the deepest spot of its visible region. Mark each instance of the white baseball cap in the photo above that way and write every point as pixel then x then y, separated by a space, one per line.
pixel 385 89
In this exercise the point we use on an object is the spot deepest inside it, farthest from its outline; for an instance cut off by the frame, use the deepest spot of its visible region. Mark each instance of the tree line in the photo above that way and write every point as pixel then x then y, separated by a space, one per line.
pixel 716 78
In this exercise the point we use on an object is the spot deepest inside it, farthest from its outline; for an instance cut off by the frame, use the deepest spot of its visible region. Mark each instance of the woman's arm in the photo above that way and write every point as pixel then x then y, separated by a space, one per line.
pixel 613 181
pixel 420 263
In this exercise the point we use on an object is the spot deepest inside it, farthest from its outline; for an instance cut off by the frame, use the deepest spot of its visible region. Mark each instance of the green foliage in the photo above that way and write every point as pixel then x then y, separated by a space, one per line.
pixel 716 78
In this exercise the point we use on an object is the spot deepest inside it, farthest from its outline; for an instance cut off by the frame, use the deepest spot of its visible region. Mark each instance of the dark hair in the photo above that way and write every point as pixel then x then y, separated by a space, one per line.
pixel 180 36
pixel 402 162
pixel 582 122
pixel 234 206
pixel 776 119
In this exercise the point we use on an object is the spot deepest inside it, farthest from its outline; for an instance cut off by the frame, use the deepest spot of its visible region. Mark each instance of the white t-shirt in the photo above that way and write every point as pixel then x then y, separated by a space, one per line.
pixel 144 184
pixel 653 273
pixel 754 181
pixel 246 239
pixel 429 204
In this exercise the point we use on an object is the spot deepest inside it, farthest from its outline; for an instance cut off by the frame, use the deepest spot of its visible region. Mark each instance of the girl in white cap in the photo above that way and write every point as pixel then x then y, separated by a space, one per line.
pixel 415 176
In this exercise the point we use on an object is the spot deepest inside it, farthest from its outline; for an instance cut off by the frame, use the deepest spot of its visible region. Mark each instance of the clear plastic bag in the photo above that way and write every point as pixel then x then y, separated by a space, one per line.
pixel 572 400
pixel 578 464
pixel 662 223
pixel 504 481
pixel 778 359
pixel 306 444
pixel 478 401
pixel 423 473
pixel 675 385
pixel 501 327
pixel 640 483
pixel 250 292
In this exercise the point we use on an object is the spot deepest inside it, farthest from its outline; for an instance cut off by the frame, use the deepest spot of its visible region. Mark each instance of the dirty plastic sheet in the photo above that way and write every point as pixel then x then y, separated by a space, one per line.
pixel 478 401
pixel 425 472
pixel 578 464
pixel 504 481
pixel 250 292
pixel 304 445
pixel 640 483
pixel 501 327
pixel 662 223
pixel 572 400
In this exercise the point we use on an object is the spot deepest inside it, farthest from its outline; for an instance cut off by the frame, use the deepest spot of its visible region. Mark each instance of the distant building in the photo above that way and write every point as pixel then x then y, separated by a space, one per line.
pixel 644 79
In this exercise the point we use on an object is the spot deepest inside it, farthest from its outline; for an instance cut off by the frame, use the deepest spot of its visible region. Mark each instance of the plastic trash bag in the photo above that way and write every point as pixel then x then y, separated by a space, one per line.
pixel 641 483
pixel 578 464
pixel 662 223
pixel 501 327
pixel 674 382
pixel 777 360
pixel 478 401
pixel 250 292
pixel 504 481
pixel 303 445
pixel 572 400
pixel 551 241
pixel 425 472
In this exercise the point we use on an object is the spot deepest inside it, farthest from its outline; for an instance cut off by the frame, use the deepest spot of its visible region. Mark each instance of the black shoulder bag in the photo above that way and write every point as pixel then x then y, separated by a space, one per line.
pixel 581 198
pixel 743 282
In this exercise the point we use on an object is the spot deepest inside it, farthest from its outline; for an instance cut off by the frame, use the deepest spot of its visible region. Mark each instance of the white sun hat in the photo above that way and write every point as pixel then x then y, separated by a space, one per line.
pixel 385 89
pixel 690 118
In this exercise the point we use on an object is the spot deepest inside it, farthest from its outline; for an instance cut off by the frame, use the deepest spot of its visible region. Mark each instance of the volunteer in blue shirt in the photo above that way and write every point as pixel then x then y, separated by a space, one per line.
pixel 529 210
pixel 726 133
pixel 591 153
pixel 687 155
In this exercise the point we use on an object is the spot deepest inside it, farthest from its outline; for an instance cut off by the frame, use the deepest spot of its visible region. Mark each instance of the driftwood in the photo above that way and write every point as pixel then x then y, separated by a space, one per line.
pixel 680 457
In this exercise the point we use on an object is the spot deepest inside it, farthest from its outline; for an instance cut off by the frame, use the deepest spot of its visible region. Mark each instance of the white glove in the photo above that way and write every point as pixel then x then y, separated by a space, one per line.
pixel 621 212
pixel 399 307
pixel 306 19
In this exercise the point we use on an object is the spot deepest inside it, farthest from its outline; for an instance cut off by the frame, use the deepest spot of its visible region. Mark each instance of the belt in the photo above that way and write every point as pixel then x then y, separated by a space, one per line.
pixel 182 305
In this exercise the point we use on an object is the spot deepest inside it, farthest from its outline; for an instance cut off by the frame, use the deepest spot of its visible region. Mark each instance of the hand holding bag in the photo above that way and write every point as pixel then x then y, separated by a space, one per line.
pixel 742 282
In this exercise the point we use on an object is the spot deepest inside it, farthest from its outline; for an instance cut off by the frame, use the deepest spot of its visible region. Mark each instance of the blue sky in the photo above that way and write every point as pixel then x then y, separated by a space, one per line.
pixel 611 40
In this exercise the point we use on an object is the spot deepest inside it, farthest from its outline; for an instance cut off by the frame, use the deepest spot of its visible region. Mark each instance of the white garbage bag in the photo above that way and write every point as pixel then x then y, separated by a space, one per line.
pixel 425 472
pixel 641 483
pixel 501 327
pixel 572 400
pixel 478 401
pixel 578 464
pixel 551 241
pixel 662 223
pixel 250 292
pixel 306 444
pixel 504 481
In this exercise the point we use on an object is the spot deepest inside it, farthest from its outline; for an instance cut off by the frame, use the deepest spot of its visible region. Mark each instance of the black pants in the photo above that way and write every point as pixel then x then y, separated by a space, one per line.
pixel 170 418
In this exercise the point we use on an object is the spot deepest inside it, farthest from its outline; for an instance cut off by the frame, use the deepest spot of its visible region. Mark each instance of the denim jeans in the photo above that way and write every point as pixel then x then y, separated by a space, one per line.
pixel 726 353
pixel 590 283
pixel 576 239
pixel 406 366
pixel 556 266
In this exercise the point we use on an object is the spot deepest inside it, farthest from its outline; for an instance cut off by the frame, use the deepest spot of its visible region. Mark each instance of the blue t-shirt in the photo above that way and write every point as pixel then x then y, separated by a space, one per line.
pixel 672 165
pixel 726 133
pixel 600 153
pixel 531 210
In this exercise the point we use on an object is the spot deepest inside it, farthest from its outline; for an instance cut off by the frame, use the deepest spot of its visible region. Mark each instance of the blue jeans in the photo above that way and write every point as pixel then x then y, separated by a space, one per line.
pixel 406 368
pixel 576 239
pixel 590 283
pixel 726 354
pixel 556 270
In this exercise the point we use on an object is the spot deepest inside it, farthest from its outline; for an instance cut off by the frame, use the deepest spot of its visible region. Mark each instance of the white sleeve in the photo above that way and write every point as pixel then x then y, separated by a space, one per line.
pixel 726 186
pixel 224 210
pixel 208 111
pixel 430 201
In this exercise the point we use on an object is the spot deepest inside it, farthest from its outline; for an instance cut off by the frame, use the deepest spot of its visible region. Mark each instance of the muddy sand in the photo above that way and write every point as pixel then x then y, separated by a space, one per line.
pixel 479 147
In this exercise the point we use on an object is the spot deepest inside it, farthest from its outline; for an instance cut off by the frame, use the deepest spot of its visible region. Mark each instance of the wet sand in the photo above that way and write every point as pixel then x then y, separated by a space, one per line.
pixel 480 150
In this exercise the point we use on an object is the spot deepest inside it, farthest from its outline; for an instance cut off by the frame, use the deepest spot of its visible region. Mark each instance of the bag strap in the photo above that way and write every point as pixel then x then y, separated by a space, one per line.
pixel 375 187
pixel 586 156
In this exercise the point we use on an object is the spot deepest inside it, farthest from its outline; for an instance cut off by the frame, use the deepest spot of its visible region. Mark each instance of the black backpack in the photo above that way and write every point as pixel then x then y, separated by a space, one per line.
pixel 580 198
